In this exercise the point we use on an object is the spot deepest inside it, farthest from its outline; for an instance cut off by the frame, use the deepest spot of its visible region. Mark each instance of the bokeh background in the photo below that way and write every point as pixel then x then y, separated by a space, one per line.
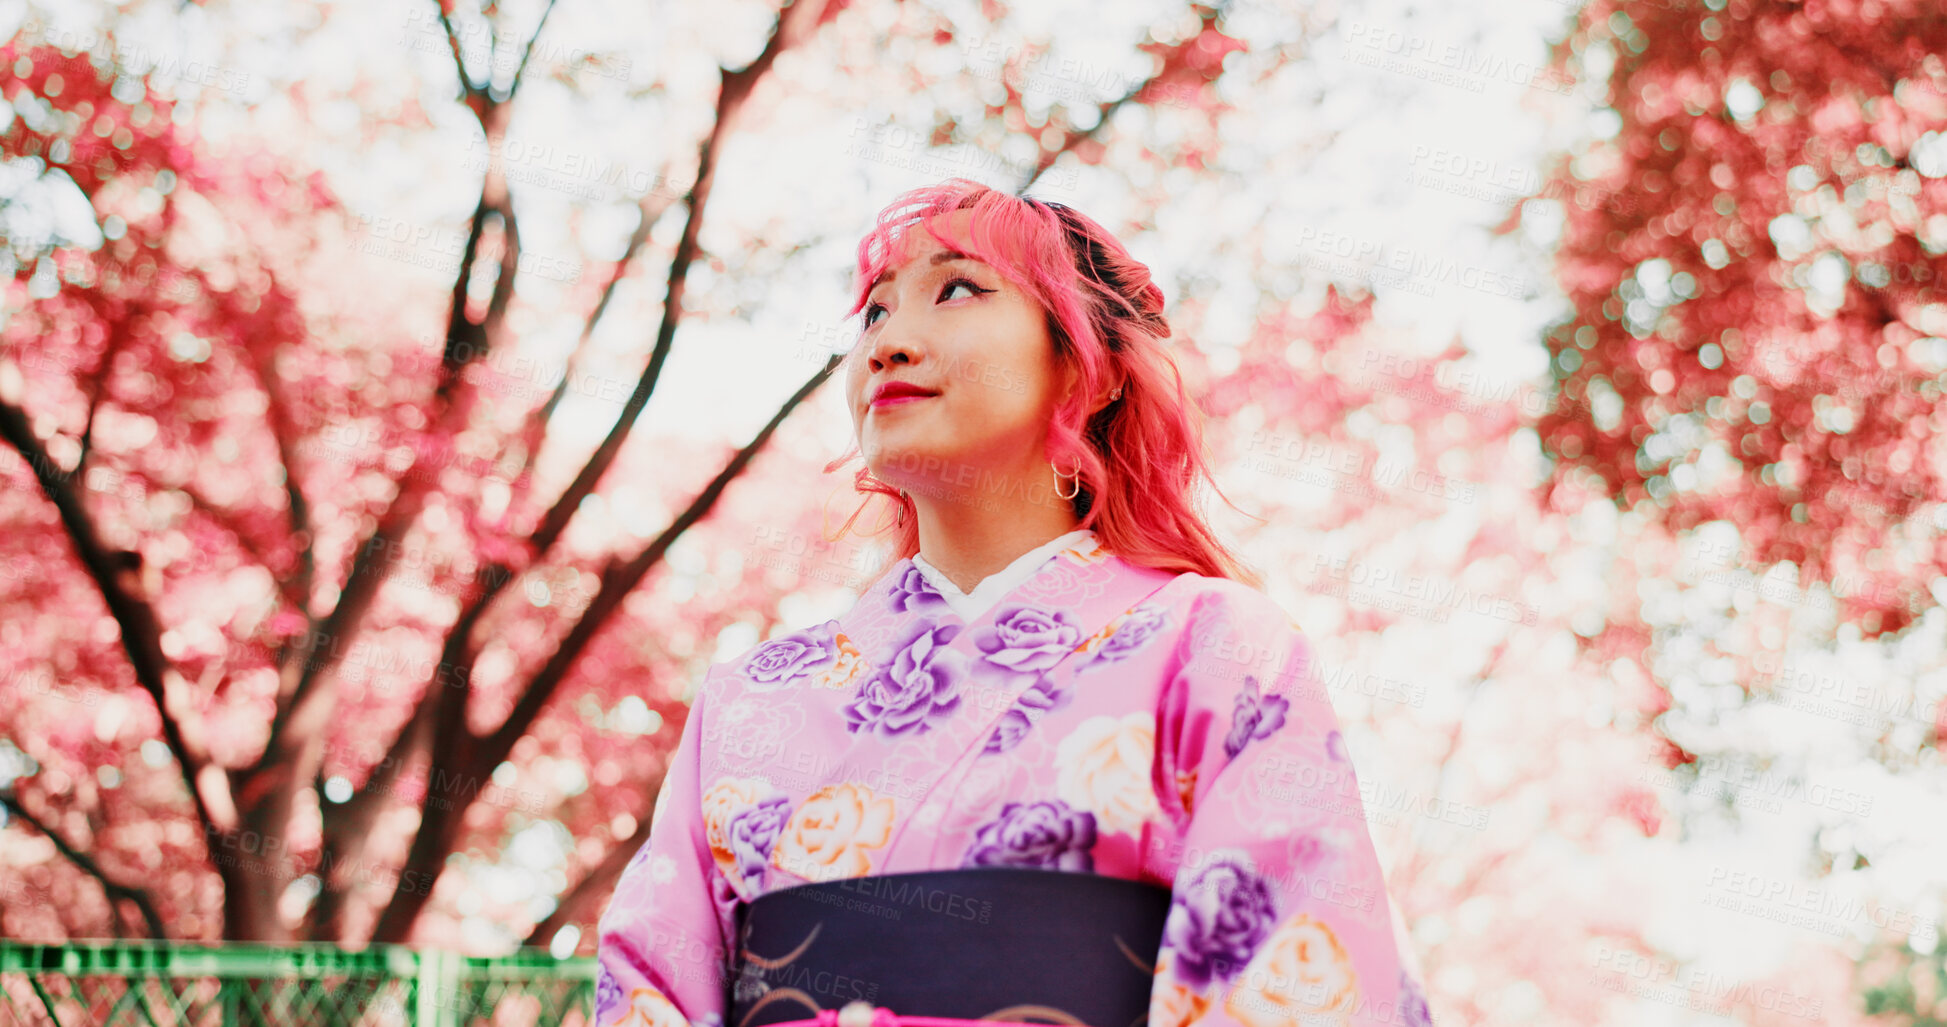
pixel 404 402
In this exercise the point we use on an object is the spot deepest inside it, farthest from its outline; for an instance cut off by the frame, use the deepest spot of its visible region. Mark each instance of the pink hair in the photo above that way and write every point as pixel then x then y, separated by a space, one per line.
pixel 1142 454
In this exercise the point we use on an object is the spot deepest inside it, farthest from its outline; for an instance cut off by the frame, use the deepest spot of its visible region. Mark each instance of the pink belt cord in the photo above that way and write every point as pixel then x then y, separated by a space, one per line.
pixel 859 1014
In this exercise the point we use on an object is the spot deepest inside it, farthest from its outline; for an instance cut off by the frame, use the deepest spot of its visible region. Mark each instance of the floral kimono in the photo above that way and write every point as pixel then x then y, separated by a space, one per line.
pixel 1101 718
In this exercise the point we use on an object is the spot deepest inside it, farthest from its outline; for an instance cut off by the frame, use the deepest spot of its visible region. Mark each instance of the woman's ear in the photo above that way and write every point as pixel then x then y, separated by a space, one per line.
pixel 1107 395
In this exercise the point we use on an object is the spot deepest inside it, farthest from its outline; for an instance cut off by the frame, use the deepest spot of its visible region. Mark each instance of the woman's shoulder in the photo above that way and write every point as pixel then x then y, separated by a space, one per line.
pixel 1207 595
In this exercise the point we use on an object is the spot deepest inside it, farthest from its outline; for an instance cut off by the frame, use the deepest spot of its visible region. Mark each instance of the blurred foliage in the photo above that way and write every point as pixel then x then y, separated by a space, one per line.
pixel 1756 255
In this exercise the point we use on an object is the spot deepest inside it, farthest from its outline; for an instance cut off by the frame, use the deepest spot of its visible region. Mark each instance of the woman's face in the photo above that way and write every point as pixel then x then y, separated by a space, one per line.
pixel 978 346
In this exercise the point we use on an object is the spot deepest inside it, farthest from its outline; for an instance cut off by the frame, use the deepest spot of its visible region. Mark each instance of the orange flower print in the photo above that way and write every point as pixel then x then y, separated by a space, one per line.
pixel 1084 552
pixel 722 801
pixel 1103 766
pixel 1186 789
pixel 1171 1002
pixel 741 819
pixel 829 833
pixel 1094 642
pixel 844 671
pixel 649 1007
pixel 1301 974
pixel 1129 631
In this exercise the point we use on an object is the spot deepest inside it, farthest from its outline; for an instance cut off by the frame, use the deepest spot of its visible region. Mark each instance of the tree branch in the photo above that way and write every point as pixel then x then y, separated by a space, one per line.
pixel 141 631
pixel 224 520
pixel 293 752
pixel 115 340
pixel 795 24
pixel 1072 138
pixel 619 579
pixel 301 710
pixel 599 879
pixel 521 68
pixel 114 889
pixel 451 741
pixel 469 756
pixel 284 429
pixel 651 208
pixel 348 825
pixel 466 341
pixel 467 89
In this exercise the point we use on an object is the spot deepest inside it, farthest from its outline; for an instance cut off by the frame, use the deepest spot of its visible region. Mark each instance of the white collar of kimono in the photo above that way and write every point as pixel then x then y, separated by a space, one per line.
pixel 970 605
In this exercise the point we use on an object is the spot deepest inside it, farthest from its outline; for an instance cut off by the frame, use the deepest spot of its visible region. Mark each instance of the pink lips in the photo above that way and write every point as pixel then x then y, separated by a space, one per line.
pixel 892 393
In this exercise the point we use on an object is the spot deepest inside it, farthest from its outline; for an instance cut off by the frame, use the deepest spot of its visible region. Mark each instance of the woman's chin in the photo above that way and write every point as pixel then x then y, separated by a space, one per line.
pixel 909 466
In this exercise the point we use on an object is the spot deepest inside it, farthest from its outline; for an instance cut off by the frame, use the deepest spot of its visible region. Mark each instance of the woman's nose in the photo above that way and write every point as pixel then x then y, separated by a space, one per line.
pixel 891 345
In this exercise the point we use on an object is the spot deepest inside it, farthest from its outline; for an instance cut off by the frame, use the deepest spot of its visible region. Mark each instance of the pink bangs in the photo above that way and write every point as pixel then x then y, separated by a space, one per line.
pixel 1018 239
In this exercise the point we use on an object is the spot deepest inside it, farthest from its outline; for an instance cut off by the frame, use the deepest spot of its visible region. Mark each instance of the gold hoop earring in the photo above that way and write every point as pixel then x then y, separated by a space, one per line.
pixel 1075 474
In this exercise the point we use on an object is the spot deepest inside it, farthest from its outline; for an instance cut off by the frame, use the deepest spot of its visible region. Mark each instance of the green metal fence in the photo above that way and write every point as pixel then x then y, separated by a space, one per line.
pixel 143 984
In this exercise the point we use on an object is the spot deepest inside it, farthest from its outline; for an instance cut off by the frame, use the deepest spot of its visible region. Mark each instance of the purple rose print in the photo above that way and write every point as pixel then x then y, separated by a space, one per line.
pixel 1044 695
pixel 1029 639
pixel 1412 1003
pixel 1007 734
pixel 1218 921
pixel 1048 835
pixel 1132 634
pixel 753 832
pixel 780 662
pixel 920 685
pixel 1037 699
pixel 608 995
pixel 1253 717
pixel 911 592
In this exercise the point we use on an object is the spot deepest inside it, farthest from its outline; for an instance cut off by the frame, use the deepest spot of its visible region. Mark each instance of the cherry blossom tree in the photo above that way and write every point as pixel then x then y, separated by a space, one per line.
pixel 305 604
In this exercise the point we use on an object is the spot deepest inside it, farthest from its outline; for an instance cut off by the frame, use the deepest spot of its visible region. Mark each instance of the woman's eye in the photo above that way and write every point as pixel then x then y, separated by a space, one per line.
pixel 874 309
pixel 971 287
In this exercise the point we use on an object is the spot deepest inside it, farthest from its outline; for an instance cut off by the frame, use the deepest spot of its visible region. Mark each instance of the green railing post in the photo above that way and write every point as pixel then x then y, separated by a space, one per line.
pixel 433 979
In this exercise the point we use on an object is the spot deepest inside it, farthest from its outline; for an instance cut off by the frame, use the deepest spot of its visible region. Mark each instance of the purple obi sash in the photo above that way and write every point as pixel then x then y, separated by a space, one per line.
pixel 998 943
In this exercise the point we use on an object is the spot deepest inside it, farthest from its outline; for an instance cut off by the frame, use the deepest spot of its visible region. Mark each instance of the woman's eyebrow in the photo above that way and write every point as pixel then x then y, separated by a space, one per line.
pixel 939 257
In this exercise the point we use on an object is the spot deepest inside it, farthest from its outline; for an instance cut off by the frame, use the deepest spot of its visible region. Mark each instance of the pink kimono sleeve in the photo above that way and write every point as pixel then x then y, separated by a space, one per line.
pixel 665 936
pixel 1278 913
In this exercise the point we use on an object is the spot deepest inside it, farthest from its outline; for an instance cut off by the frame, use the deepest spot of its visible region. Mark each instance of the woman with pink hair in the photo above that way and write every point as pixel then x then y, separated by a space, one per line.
pixel 1063 761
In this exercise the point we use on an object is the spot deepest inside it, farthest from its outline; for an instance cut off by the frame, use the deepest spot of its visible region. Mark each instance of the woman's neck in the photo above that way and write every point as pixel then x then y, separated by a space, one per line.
pixel 970 550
